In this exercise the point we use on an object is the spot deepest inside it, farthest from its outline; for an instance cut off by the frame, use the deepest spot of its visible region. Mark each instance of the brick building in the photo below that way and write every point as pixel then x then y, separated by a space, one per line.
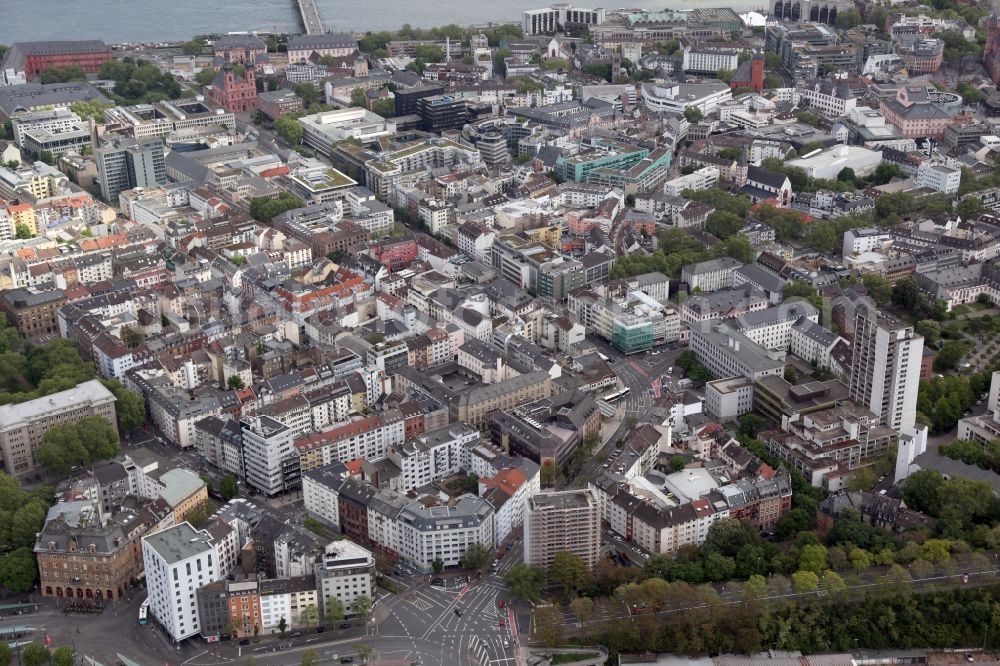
pixel 277 103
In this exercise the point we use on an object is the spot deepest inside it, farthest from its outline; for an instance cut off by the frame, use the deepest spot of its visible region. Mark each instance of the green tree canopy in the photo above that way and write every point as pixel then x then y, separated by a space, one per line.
pixel 525 582
pixel 130 407
pixel 265 208
pixel 475 556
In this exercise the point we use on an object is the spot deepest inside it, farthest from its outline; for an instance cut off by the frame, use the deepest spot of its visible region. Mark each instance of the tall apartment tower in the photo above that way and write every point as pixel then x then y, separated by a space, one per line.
pixel 130 163
pixel 885 373
pixel 556 521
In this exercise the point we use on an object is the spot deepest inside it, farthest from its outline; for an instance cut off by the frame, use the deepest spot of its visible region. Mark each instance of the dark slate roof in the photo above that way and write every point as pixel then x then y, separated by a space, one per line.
pixel 758 174
pixel 239 42
pixel 337 41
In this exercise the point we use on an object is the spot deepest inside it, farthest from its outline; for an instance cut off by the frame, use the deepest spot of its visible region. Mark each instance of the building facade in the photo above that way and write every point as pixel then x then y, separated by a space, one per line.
pixel 562 521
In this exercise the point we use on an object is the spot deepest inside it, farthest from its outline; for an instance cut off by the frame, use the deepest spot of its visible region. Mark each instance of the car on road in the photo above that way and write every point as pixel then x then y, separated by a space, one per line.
pixel 295 634
pixel 644 556
pixel 346 660
pixel 506 643
pixel 245 641
pixel 437 581
pixel 345 625
pixel 510 545
pixel 458 612
pixel 616 538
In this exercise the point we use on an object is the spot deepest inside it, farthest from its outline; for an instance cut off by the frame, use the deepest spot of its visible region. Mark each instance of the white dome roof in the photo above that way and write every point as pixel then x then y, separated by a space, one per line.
pixel 754 19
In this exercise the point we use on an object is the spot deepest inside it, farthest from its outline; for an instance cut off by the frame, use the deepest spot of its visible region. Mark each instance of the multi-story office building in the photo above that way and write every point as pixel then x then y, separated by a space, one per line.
pixel 939 177
pixel 558 17
pixel 129 163
pixel 321 491
pixel 557 278
pixel 885 371
pixel 270 461
pixel 726 352
pixel 57 120
pixel 562 521
pixel 23 425
pixel 443 112
pixel 710 275
pixel 772 328
pixel 178 561
pixel 345 571
pixel 709 59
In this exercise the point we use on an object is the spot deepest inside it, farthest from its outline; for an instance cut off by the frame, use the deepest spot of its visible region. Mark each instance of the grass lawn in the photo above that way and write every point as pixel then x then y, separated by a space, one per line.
pixel 573 658
pixel 960 310
pixel 980 306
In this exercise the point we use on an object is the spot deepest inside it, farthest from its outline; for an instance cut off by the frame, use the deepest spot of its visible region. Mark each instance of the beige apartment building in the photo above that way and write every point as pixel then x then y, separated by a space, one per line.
pixel 23 425
pixel 562 521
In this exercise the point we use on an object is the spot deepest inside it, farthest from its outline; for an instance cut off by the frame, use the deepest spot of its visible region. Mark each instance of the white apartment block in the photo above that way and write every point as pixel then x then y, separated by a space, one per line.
pixel 832 105
pixel 728 399
pixel 345 572
pixel 859 241
pixel 320 492
pixel 444 532
pixel 939 177
pixel 772 328
pixel 710 60
pixel 812 342
pixel 178 561
pixel 702 179
pixel 711 275
pixel 433 455
pixel 726 352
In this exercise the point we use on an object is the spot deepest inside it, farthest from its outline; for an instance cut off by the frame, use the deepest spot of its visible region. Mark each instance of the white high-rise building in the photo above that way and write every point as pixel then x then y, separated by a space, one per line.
pixel 885 373
pixel 178 561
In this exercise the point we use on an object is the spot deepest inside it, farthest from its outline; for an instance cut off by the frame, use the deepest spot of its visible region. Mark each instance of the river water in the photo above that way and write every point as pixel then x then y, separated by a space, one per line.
pixel 153 20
